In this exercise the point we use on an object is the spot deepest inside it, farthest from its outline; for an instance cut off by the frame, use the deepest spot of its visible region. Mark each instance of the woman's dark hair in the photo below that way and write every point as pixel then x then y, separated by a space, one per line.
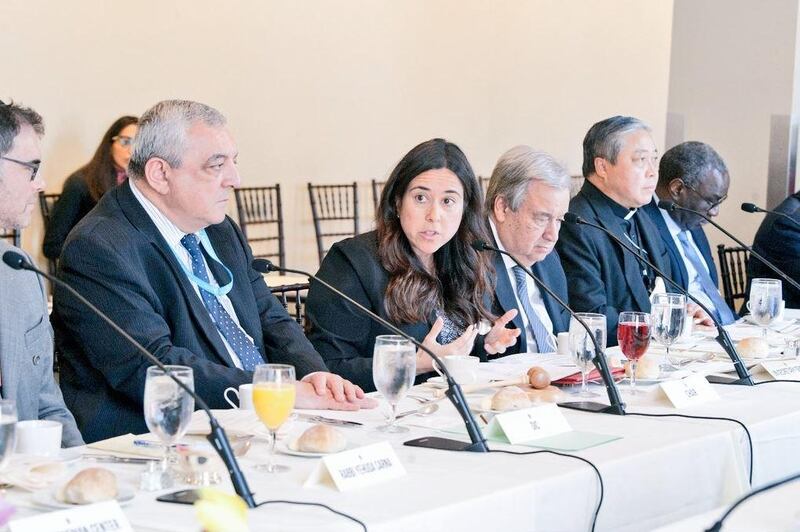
pixel 100 173
pixel 462 275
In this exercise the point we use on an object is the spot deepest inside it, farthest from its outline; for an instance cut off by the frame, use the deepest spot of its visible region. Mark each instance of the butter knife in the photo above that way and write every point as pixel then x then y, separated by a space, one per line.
pixel 107 458
pixel 329 421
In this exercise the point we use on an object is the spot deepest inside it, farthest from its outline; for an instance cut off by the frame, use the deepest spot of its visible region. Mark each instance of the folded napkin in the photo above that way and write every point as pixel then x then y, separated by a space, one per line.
pixel 124 445
pixel 594 376
pixel 32 474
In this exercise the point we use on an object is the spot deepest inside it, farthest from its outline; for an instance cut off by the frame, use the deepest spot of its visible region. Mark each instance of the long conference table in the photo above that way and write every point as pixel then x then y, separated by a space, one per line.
pixel 661 471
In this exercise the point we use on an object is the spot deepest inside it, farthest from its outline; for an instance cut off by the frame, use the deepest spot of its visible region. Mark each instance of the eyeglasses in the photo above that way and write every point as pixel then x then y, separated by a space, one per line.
pixel 32 166
pixel 123 141
pixel 712 204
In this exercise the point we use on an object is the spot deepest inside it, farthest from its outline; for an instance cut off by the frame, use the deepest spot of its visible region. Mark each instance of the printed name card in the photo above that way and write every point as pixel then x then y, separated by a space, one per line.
pixel 100 517
pixel 356 468
pixel 782 369
pixel 689 391
pixel 523 426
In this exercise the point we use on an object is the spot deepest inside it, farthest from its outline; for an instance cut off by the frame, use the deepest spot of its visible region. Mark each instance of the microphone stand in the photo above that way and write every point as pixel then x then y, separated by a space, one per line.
pixel 723 339
pixel 671 207
pixel 454 392
pixel 216 437
pixel 752 208
pixel 617 406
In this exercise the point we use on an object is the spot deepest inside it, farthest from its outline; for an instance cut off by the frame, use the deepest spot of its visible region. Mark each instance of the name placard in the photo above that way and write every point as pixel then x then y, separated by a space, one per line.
pixel 99 517
pixel 691 390
pixel 523 426
pixel 782 369
pixel 356 468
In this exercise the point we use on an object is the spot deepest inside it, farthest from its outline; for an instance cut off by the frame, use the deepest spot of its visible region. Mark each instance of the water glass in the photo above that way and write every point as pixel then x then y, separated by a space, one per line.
pixel 273 400
pixel 8 430
pixel 394 366
pixel 582 348
pixel 765 302
pixel 167 411
pixel 668 313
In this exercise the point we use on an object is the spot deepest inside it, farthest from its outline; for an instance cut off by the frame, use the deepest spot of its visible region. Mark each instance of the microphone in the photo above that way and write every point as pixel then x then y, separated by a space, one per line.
pixel 671 206
pixel 723 339
pixel 454 393
pixel 617 406
pixel 217 436
pixel 751 207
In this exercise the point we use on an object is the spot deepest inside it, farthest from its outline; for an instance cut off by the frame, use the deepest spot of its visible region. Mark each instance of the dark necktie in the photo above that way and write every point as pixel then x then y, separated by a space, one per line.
pixel 239 341
pixel 721 309
pixel 540 333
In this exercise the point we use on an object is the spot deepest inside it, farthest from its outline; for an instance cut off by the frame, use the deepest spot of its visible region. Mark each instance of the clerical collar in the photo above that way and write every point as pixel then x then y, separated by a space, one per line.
pixel 623 212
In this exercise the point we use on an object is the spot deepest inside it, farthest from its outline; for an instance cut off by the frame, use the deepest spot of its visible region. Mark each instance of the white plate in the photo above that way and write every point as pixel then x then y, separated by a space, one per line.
pixel 291 450
pixel 49 498
pixel 438 382
pixel 775 323
pixel 69 455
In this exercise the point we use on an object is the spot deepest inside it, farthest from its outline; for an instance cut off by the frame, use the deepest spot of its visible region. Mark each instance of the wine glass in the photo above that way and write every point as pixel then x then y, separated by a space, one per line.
pixel 273 401
pixel 765 302
pixel 582 347
pixel 8 430
pixel 668 314
pixel 394 366
pixel 633 336
pixel 167 411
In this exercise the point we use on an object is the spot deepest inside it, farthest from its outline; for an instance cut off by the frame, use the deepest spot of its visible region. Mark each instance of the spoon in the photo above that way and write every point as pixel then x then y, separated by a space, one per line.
pixel 423 411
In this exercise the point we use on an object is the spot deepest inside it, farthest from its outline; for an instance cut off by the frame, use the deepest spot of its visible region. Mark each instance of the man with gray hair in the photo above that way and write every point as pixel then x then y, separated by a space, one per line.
pixel 527 197
pixel 620 166
pixel 161 258
pixel 26 338
pixel 694 176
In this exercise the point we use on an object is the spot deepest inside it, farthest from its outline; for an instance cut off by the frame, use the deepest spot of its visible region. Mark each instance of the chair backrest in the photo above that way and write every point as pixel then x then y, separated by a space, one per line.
pixel 46 202
pixel 575 184
pixel 14 236
pixel 294 295
pixel 335 212
pixel 261 219
pixel 484 182
pixel 377 188
pixel 733 273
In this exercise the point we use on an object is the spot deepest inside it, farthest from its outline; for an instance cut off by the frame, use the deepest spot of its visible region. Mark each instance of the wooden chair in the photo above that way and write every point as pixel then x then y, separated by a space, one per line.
pixel 46 202
pixel 14 236
pixel 377 188
pixel 261 219
pixel 335 212
pixel 733 273
pixel 484 182
pixel 294 294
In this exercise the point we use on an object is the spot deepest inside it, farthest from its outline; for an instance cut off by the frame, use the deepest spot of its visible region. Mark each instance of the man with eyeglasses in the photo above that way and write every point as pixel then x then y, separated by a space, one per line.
pixel 526 199
pixel 26 338
pixel 694 176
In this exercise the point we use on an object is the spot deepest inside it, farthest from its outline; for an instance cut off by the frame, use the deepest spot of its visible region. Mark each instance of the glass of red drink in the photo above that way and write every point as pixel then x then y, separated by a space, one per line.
pixel 633 336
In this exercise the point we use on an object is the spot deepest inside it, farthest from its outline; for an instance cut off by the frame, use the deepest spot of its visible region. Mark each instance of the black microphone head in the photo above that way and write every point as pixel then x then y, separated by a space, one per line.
pixel 750 207
pixel 264 266
pixel 479 245
pixel 667 205
pixel 572 218
pixel 15 260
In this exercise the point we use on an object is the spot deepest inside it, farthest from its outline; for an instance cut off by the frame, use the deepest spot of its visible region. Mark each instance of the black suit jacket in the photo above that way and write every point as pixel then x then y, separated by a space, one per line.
pixel 679 273
pixel 603 277
pixel 778 240
pixel 551 273
pixel 342 334
pixel 117 259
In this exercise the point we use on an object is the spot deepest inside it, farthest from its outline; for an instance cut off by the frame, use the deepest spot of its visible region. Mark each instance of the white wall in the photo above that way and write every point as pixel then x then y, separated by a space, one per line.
pixel 338 90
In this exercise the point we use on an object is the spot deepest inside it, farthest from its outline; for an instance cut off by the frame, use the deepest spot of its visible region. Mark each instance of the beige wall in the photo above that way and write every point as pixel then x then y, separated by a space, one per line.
pixel 338 90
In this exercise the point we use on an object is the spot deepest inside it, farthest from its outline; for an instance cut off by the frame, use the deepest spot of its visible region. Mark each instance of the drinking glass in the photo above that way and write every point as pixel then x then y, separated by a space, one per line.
pixel 633 336
pixel 668 313
pixel 8 430
pixel 167 411
pixel 582 347
pixel 765 302
pixel 394 366
pixel 273 401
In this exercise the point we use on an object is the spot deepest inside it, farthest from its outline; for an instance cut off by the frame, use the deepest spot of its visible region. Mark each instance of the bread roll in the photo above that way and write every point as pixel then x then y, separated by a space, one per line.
pixel 753 347
pixel 551 394
pixel 91 485
pixel 538 378
pixel 646 369
pixel 321 439
pixel 510 398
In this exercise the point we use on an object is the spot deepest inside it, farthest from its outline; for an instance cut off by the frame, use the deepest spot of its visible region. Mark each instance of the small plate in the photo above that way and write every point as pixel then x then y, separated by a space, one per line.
pixel 49 498
pixel 291 449
pixel 66 456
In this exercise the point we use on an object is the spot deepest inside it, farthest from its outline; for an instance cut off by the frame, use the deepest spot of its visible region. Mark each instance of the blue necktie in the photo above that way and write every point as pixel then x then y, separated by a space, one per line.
pixel 721 309
pixel 240 343
pixel 540 333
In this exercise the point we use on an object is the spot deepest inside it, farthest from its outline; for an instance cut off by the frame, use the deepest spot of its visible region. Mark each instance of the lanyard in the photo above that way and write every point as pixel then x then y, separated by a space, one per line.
pixel 218 291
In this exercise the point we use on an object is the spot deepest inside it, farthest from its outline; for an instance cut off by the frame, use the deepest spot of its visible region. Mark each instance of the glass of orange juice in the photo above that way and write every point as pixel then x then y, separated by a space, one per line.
pixel 273 401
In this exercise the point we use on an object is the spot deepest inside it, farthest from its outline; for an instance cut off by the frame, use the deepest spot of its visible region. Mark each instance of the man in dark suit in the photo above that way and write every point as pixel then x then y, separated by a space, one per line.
pixel 159 256
pixel 620 166
pixel 526 199
pixel 694 176
pixel 778 240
